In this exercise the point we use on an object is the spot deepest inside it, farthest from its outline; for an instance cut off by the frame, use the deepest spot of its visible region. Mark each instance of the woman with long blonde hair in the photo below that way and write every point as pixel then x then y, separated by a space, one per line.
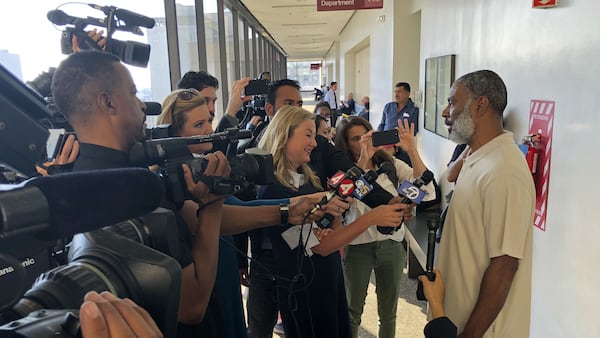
pixel 311 292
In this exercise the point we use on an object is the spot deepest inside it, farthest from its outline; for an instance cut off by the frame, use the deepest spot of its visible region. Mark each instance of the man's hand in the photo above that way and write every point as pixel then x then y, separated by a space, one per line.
pixel 95 35
pixel 236 98
pixel 434 293
pixel 106 316
pixel 217 166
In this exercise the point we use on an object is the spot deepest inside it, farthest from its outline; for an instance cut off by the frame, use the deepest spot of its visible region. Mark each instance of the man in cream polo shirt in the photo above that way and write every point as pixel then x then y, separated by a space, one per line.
pixel 485 251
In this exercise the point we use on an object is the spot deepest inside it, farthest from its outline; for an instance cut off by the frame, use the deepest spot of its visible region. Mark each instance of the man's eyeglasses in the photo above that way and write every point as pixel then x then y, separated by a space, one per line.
pixel 187 94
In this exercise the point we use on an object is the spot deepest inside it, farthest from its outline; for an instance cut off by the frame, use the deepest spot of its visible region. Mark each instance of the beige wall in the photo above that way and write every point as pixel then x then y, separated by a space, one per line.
pixel 550 54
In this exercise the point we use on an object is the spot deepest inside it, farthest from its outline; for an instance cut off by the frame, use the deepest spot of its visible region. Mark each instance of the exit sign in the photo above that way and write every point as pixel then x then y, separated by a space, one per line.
pixel 544 3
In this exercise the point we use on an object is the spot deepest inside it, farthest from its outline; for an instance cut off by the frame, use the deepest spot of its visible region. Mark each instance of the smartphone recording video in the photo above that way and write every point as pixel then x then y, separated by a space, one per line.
pixel 384 138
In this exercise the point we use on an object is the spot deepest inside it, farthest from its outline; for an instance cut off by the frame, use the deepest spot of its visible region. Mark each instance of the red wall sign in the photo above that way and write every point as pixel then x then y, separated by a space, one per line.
pixel 544 3
pixel 340 5
pixel 541 120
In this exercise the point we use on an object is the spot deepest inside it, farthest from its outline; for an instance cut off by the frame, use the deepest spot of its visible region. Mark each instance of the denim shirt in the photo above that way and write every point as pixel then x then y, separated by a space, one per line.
pixel 391 115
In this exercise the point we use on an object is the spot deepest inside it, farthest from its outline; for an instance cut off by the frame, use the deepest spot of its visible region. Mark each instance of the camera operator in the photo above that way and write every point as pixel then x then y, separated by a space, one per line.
pixel 98 96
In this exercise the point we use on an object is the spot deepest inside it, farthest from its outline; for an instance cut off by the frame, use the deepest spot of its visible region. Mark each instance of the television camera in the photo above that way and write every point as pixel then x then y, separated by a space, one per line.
pixel 44 210
pixel 255 166
pixel 116 19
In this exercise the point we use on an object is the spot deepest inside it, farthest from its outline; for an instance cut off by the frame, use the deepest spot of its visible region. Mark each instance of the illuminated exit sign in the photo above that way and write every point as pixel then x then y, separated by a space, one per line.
pixel 341 5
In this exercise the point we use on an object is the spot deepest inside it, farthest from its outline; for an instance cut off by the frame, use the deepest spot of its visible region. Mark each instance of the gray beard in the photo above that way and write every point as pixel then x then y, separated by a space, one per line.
pixel 463 128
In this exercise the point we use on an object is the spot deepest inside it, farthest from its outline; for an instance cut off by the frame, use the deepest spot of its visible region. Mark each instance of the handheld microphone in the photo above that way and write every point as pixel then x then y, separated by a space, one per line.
pixel 60 18
pixel 341 184
pixel 432 225
pixel 412 194
pixel 364 185
pixel 129 17
pixel 59 206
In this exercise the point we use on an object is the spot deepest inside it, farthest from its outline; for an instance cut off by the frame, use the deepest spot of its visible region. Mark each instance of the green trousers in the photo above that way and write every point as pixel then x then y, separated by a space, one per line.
pixel 387 258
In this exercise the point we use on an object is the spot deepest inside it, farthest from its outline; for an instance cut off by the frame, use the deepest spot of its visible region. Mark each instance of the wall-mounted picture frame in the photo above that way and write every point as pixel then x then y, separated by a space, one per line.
pixel 439 76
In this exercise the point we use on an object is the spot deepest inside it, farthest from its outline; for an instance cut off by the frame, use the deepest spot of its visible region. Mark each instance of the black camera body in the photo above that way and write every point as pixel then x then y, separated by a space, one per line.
pixel 99 261
pixel 255 166
pixel 130 52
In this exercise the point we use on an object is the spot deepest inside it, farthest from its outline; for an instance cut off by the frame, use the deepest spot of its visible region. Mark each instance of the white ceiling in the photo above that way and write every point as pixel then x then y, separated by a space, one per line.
pixel 300 30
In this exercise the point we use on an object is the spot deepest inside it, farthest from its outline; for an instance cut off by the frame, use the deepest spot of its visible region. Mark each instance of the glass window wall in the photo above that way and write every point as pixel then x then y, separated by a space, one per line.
pixel 230 47
pixel 213 57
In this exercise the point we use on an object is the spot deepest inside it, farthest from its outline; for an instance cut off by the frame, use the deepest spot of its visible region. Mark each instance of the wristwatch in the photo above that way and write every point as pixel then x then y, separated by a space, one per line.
pixel 284 210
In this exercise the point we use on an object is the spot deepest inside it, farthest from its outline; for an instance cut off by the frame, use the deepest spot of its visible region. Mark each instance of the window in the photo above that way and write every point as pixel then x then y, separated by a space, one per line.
pixel 187 35
pixel 241 37
pixel 213 57
pixel 439 75
pixel 230 48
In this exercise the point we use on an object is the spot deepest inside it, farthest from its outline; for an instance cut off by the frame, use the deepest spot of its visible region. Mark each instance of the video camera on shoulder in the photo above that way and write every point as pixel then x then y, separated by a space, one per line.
pixel 116 19
pixel 255 166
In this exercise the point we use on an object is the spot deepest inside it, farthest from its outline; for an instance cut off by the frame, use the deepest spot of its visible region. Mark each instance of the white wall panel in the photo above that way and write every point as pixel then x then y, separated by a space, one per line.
pixel 551 54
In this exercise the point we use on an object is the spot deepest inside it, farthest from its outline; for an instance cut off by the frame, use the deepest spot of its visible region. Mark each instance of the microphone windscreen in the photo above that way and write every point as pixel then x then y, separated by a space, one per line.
pixel 88 200
pixel 58 17
pixel 152 108
pixel 427 177
pixel 386 168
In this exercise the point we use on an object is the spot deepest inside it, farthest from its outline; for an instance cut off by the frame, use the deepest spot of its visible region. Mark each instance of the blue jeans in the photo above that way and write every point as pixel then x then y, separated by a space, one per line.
pixel 387 259
pixel 262 296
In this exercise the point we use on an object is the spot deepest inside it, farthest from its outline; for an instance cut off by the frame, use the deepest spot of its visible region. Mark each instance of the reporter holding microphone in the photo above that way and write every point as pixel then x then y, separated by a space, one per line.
pixel 373 250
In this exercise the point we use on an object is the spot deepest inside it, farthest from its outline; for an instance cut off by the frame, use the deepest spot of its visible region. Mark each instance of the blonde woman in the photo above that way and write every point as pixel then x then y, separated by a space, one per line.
pixel 310 283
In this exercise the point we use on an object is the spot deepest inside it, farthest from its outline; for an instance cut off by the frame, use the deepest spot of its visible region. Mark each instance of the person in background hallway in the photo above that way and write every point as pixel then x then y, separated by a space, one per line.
pixel 439 326
pixel 485 251
pixel 331 98
pixel 373 251
pixel 348 106
pixel 364 113
pixel 402 108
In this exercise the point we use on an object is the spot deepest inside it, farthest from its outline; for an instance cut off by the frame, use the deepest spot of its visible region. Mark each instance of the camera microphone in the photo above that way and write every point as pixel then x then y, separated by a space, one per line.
pixel 412 194
pixel 61 205
pixel 60 18
pixel 130 18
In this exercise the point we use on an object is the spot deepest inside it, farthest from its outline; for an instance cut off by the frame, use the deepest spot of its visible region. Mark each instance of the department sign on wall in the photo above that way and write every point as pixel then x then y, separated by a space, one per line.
pixel 340 5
